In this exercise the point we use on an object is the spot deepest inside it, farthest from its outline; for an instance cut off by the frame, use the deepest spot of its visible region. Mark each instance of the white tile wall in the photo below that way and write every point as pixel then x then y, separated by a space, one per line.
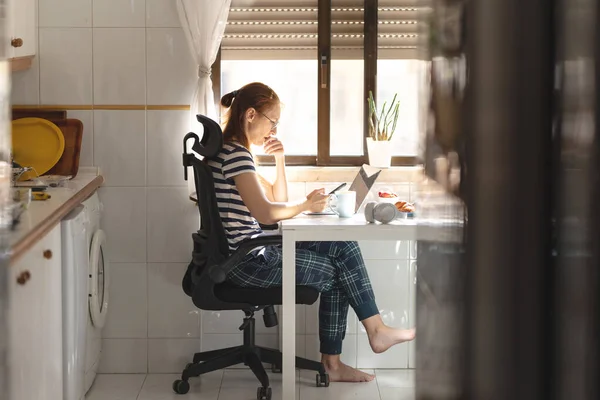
pixel 132 52
pixel 86 158
pixel 128 316
pixel 26 85
pixel 171 314
pixel 165 132
pixel 171 71
pixel 65 65
pixel 211 341
pixel 161 14
pixel 119 13
pixel 119 65
pixel 65 13
pixel 124 220
pixel 120 146
pixel 124 356
pixel 390 285
pixel 172 218
pixel 170 355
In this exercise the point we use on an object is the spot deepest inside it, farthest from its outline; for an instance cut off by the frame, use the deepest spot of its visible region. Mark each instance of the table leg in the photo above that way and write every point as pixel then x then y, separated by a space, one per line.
pixel 288 316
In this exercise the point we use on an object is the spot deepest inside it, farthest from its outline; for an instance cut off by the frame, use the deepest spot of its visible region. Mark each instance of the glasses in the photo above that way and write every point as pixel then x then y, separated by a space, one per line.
pixel 273 123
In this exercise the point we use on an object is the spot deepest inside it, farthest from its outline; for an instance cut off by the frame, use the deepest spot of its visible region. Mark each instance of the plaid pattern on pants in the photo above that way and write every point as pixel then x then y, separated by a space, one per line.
pixel 336 269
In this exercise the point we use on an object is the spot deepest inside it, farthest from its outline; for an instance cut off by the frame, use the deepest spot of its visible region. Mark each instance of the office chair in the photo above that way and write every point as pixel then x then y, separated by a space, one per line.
pixel 205 279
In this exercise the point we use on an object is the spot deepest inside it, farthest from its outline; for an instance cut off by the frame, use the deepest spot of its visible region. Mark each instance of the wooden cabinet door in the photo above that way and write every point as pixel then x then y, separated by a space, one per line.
pixel 35 322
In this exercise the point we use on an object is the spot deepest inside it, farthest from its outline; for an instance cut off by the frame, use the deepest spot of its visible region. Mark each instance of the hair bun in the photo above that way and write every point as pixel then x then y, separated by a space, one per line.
pixel 228 99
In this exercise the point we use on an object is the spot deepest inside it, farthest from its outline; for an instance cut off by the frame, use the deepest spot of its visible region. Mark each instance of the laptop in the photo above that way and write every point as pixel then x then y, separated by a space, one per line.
pixel 362 184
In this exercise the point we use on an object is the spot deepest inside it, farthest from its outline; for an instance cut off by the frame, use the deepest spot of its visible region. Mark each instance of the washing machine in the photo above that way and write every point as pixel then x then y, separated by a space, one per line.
pixel 98 285
pixel 75 269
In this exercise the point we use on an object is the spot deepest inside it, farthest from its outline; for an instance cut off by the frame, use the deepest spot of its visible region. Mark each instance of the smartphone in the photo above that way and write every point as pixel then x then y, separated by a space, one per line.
pixel 336 189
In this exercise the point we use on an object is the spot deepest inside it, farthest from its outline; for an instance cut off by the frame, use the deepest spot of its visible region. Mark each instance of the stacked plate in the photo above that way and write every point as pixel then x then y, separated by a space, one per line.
pixel 38 145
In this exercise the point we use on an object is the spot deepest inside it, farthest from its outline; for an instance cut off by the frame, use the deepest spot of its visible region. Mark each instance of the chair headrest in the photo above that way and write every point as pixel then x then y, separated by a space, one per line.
pixel 212 140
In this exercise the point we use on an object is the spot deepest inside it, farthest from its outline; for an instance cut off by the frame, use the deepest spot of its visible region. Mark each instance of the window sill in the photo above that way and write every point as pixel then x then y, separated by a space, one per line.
pixel 341 174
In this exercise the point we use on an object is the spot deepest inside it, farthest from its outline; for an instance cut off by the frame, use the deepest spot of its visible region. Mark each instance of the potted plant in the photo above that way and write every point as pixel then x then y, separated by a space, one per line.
pixel 382 125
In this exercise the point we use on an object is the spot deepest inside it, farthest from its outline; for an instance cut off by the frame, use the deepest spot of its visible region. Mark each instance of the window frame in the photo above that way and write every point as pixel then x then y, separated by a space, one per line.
pixel 323 157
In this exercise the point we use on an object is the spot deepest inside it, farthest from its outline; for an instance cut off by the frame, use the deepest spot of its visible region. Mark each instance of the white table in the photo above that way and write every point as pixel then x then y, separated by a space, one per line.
pixel 331 228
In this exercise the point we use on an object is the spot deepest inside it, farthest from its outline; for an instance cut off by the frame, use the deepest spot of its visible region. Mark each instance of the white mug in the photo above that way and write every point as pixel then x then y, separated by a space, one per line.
pixel 343 203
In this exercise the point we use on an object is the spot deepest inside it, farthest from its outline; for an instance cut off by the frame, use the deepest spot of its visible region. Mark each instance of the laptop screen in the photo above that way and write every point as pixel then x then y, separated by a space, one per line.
pixel 363 183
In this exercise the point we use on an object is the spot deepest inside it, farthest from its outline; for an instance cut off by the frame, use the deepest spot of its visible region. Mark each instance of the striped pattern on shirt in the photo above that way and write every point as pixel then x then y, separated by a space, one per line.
pixel 233 160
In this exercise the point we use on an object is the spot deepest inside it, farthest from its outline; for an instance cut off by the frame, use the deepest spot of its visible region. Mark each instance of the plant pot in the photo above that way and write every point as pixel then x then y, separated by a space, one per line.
pixel 380 153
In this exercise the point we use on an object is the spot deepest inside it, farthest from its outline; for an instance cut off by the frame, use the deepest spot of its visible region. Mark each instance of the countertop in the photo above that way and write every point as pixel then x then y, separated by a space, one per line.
pixel 439 218
pixel 42 216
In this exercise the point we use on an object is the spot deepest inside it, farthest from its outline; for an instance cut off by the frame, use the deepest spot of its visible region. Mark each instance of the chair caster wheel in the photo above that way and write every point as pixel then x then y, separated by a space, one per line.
pixel 263 393
pixel 322 380
pixel 181 387
pixel 276 369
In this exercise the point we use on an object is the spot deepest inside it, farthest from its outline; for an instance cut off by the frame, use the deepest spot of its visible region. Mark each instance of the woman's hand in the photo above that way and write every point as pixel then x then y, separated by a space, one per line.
pixel 273 147
pixel 317 200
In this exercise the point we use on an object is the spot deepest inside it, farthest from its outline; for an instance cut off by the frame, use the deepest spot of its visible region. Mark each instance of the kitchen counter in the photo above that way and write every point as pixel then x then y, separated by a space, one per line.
pixel 42 216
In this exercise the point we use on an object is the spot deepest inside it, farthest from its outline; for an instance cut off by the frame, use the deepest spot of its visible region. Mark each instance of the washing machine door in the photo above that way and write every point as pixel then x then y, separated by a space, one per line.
pixel 99 280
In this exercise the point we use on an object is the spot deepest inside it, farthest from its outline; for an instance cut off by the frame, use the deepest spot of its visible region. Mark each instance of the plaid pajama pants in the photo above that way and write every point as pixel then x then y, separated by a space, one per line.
pixel 336 269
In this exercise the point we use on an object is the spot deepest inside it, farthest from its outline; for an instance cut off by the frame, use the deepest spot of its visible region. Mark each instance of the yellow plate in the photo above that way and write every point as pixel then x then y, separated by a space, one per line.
pixel 37 143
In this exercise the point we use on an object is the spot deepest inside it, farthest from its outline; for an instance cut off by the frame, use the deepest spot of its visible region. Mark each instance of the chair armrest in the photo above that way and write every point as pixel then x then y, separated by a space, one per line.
pixel 218 273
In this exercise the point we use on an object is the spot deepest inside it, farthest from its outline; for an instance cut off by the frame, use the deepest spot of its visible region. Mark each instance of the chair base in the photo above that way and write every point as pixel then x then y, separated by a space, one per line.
pixel 248 354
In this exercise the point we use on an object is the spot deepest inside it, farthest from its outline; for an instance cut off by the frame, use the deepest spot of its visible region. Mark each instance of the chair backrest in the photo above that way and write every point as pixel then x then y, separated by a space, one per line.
pixel 210 242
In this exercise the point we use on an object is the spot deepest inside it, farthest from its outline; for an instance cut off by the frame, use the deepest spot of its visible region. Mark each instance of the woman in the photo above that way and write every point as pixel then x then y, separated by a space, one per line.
pixel 335 269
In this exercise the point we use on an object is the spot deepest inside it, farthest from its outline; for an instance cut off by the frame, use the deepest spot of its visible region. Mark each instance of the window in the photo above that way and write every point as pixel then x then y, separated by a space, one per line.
pixel 312 53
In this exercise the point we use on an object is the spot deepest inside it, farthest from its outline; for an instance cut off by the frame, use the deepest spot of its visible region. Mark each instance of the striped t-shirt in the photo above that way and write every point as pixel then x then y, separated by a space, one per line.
pixel 234 159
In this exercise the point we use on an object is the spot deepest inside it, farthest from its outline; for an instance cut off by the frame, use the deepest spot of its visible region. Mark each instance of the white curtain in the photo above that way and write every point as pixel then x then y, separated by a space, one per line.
pixel 203 22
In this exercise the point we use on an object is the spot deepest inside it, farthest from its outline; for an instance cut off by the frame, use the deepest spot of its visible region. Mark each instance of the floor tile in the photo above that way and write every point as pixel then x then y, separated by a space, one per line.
pixel 395 377
pixel 243 378
pixel 159 387
pixel 116 387
pixel 249 393
pixel 337 390
pixel 242 384
pixel 234 384
pixel 397 393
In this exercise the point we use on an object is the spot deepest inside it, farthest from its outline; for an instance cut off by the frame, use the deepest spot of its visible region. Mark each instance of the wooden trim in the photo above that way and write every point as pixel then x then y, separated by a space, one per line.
pixel 216 82
pixel 324 93
pixel 289 160
pixel 335 161
pixel 116 107
pixel 119 107
pixel 370 62
pixel 37 233
pixel 404 161
pixel 21 63
pixel 168 107
pixel 53 107
pixel 347 161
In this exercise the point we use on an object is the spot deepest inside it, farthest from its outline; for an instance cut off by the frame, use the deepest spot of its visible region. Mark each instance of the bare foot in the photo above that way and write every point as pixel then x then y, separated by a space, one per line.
pixel 344 373
pixel 385 337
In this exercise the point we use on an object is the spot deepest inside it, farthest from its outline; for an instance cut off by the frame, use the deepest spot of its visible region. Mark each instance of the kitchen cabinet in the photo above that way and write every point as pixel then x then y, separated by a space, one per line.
pixel 22 33
pixel 35 321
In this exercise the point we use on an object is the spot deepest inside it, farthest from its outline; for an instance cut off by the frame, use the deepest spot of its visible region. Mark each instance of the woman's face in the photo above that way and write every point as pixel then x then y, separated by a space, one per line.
pixel 262 125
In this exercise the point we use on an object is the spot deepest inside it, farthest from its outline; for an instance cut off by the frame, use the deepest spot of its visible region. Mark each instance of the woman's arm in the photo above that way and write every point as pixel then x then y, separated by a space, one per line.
pixel 279 187
pixel 267 212
pixel 280 190
pixel 276 191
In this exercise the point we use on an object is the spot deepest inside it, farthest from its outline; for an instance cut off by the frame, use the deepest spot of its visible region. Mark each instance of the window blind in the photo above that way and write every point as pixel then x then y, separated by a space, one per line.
pixel 271 29
pixel 280 29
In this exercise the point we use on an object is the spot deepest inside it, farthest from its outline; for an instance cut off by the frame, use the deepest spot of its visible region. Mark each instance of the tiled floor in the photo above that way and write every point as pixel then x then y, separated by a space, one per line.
pixel 241 384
